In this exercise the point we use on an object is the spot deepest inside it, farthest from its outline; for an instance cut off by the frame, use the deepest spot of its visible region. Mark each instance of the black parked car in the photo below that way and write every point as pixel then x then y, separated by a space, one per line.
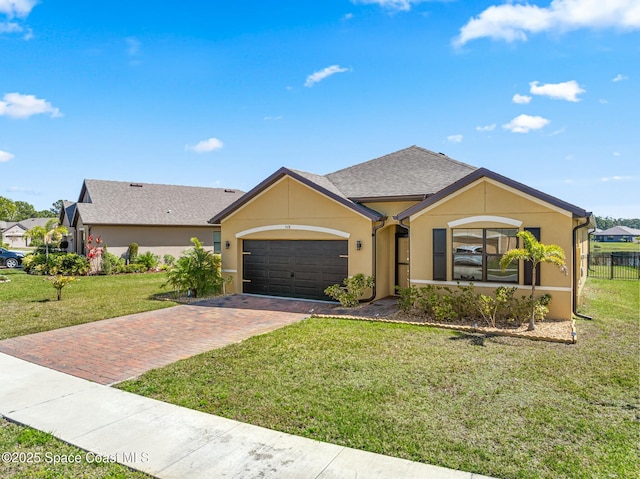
pixel 10 259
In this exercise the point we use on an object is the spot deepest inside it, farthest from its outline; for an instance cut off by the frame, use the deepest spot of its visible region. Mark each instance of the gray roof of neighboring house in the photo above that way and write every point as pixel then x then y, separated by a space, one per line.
pixel 31 222
pixel 25 224
pixel 122 202
pixel 68 210
pixel 411 171
pixel 618 231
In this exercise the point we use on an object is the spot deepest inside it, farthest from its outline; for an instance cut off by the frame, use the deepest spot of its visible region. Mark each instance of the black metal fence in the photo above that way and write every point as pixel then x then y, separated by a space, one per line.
pixel 620 265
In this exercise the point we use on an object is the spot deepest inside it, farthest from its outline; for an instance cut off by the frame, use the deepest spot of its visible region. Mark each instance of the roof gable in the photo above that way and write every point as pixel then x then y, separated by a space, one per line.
pixel 316 182
pixel 575 211
pixel 118 202
pixel 408 172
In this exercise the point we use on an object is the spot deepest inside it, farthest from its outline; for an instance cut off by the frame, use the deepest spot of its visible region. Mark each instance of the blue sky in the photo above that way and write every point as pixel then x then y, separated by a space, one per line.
pixel 211 93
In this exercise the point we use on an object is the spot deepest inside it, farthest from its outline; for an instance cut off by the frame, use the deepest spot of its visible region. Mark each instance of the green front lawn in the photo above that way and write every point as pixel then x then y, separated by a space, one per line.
pixel 29 454
pixel 505 407
pixel 28 303
pixel 610 247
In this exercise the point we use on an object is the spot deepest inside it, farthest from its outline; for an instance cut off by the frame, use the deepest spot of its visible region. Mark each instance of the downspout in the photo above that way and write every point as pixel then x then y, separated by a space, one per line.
pixel 575 276
pixel 373 260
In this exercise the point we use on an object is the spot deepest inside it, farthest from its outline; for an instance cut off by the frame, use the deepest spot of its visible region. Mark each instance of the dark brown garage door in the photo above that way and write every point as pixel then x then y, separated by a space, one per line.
pixel 293 268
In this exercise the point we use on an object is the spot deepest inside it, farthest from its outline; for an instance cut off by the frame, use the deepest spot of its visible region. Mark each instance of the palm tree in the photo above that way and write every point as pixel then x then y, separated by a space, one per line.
pixel 536 253
pixel 52 233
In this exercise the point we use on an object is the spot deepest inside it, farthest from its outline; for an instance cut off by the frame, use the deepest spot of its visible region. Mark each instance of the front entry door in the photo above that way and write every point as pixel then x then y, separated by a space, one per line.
pixel 402 259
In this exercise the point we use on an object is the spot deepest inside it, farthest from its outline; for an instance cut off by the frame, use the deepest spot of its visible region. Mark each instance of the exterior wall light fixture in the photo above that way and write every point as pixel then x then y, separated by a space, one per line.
pixel 358 245
pixel 227 245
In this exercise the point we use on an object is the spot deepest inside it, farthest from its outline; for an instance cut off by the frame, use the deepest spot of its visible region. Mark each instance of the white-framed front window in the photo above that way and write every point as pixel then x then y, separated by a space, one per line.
pixel 477 253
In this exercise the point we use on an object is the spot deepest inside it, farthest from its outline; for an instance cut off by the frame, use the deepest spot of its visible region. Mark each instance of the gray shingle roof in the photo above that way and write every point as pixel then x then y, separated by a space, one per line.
pixel 322 181
pixel 120 202
pixel 31 222
pixel 69 210
pixel 411 171
pixel 619 231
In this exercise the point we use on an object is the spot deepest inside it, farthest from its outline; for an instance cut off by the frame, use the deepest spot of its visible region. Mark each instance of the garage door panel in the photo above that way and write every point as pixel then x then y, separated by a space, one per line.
pixel 293 268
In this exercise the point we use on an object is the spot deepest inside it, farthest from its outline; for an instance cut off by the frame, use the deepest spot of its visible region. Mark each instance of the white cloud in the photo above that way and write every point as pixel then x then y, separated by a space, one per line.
pixel 324 73
pixel 616 178
pixel 455 138
pixel 273 118
pixel 133 46
pixel 5 156
pixel 17 105
pixel 603 101
pixel 514 21
pixel 568 90
pixel 487 127
pixel 403 5
pixel 521 99
pixel 10 27
pixel 22 189
pixel 17 8
pixel 12 10
pixel 525 123
pixel 616 153
pixel 206 146
pixel 620 77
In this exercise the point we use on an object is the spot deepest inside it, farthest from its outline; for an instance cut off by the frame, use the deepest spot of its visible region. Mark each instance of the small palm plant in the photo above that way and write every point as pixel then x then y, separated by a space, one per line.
pixel 197 271
pixel 59 282
pixel 536 253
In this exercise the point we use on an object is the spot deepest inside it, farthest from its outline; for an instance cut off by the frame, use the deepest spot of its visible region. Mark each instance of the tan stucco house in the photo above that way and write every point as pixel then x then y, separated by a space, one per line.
pixel 13 233
pixel 159 218
pixel 413 217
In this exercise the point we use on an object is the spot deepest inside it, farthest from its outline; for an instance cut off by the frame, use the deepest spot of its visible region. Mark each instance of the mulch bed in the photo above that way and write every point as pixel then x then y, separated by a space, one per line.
pixel 553 330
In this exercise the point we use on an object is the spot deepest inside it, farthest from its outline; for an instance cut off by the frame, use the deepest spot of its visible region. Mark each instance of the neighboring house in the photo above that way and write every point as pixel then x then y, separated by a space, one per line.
pixel 66 217
pixel 617 234
pixel 159 218
pixel 413 217
pixel 13 233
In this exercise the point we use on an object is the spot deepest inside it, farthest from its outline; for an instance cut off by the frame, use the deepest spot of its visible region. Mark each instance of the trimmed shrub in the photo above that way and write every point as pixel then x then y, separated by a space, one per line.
pixel 169 259
pixel 59 263
pixel 130 268
pixel 354 287
pixel 150 260
pixel 438 303
pixel 132 253
pixel 110 262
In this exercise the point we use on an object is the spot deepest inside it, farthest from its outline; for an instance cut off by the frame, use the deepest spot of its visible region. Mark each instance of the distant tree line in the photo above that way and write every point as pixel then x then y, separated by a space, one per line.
pixel 606 222
pixel 21 210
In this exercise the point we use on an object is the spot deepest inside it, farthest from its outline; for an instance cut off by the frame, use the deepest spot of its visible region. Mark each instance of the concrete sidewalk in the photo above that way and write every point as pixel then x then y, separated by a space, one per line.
pixel 169 441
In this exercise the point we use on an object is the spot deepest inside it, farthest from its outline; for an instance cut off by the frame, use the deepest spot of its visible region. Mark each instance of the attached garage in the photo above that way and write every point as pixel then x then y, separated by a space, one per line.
pixel 293 268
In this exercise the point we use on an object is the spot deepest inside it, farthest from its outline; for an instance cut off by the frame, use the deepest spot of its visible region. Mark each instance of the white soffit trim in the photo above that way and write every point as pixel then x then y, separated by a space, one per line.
pixel 316 229
pixel 484 218
pixel 229 270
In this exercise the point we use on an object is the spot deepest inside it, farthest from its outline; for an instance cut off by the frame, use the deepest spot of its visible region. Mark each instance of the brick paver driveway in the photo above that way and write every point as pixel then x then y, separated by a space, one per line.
pixel 112 350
